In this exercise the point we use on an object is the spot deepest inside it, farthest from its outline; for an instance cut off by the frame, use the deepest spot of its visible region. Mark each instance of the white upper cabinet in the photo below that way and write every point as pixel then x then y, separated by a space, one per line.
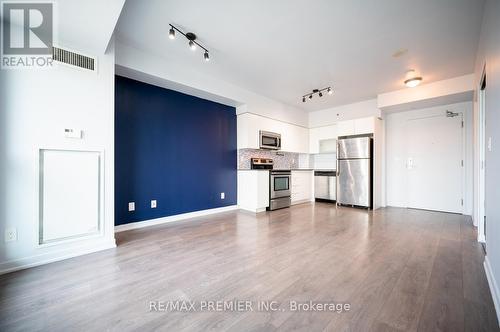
pixel 293 138
pixel 345 128
pixel 317 135
pixel 364 126
pixel 324 136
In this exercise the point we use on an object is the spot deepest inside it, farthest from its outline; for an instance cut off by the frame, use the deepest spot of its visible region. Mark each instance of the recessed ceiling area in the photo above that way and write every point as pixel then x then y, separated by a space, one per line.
pixel 285 49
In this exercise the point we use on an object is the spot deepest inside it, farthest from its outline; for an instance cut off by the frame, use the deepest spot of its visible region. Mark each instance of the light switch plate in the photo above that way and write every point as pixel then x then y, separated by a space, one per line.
pixel 131 206
pixel 222 195
pixel 72 133
pixel 10 234
pixel 153 203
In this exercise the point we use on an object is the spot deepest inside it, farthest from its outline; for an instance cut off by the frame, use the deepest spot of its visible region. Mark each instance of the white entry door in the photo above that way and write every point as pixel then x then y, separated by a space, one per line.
pixel 434 163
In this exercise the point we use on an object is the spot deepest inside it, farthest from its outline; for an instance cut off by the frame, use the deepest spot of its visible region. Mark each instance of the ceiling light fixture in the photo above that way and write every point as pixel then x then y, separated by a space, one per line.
pixel 192 40
pixel 411 79
pixel 318 91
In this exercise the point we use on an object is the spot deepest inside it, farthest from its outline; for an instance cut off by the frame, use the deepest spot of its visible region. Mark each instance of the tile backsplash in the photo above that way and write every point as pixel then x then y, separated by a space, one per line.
pixel 288 160
pixel 282 160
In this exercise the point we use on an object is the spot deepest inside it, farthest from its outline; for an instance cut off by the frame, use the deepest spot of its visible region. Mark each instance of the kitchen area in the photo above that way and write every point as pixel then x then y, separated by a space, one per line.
pixel 280 165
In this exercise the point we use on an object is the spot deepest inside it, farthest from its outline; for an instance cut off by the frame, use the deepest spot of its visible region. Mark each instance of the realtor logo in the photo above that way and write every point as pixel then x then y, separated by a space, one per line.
pixel 27 34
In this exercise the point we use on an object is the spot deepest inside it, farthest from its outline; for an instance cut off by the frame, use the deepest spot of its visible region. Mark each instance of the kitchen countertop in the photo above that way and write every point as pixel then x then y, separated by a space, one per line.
pixel 277 169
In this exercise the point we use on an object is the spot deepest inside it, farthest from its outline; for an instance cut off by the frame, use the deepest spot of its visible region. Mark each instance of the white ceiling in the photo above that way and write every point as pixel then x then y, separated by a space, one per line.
pixel 73 30
pixel 285 48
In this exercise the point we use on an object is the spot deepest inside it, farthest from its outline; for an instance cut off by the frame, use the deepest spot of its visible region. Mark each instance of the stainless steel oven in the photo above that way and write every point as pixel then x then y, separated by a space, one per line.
pixel 269 140
pixel 280 184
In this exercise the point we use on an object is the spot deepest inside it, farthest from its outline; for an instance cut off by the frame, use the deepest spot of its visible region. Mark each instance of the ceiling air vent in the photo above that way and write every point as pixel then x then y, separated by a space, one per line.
pixel 73 59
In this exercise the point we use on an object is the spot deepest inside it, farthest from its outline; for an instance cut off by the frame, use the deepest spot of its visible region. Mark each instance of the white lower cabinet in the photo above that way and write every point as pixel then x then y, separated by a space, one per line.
pixel 302 186
pixel 253 190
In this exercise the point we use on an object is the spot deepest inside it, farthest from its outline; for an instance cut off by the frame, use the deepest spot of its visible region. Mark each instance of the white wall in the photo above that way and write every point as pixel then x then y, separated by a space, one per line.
pixel 488 56
pixel 36 106
pixel 184 79
pixel 450 91
pixel 332 115
pixel 396 173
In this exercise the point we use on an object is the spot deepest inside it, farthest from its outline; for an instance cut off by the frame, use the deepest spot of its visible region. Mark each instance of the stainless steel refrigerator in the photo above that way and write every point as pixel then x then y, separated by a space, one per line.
pixel 354 171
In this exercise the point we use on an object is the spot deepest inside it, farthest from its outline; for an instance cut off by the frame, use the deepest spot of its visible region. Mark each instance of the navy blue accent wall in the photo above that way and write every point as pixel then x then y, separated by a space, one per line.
pixel 172 147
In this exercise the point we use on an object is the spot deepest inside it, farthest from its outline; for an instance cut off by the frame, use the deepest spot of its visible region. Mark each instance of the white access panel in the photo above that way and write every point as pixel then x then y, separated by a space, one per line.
pixel 69 194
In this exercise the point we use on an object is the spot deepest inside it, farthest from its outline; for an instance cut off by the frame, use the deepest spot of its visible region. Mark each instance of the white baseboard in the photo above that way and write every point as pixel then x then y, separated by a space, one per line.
pixel 177 217
pixel 42 259
pixel 493 286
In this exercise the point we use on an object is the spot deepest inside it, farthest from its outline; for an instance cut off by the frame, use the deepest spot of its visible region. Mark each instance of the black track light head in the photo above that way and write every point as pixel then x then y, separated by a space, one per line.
pixel 303 99
pixel 192 45
pixel 310 96
pixel 321 94
pixel 330 91
pixel 171 33
pixel 206 56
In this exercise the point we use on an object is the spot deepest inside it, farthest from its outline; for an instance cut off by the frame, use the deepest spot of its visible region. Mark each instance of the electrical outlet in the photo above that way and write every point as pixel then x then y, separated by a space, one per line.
pixel 153 203
pixel 10 234
pixel 222 195
pixel 131 206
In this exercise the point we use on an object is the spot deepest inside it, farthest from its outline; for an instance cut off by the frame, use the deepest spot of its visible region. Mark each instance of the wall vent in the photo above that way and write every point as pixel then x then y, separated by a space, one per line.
pixel 73 59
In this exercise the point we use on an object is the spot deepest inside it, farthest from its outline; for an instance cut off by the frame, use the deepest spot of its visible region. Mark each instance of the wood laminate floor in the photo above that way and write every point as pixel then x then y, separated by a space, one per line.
pixel 399 269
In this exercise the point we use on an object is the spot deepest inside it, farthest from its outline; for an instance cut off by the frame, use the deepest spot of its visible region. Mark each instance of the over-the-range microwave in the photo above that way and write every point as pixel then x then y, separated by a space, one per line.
pixel 269 140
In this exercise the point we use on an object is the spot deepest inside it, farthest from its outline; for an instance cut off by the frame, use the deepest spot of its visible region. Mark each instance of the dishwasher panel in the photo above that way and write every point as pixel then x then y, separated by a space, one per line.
pixel 325 185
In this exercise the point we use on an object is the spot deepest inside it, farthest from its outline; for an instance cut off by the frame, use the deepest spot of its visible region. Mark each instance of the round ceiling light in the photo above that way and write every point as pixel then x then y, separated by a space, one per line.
pixel 412 80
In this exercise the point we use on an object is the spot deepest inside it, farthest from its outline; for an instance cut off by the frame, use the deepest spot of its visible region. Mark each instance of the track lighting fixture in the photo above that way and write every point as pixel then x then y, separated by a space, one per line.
pixel 318 91
pixel 192 40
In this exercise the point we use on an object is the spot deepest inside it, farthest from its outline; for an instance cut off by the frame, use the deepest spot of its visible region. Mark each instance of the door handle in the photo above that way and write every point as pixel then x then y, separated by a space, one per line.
pixel 409 163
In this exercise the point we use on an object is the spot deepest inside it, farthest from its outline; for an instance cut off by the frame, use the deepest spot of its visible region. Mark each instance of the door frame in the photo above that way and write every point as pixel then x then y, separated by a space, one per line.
pixel 481 194
pixel 463 148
